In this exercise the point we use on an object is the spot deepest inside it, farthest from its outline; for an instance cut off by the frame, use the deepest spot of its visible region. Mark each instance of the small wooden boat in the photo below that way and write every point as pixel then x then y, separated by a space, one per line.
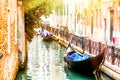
pixel 85 65
pixel 48 38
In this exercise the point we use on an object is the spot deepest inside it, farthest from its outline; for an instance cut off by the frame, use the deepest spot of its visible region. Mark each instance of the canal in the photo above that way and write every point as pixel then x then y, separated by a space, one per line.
pixel 45 62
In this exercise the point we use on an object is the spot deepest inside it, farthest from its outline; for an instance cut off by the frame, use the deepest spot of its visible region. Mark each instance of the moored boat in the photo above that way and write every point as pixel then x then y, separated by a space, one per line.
pixel 48 38
pixel 82 63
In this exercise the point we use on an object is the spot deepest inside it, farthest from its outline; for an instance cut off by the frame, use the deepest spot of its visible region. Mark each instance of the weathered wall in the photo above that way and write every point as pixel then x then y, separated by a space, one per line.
pixel 8 39
pixel 21 33
pixel 3 35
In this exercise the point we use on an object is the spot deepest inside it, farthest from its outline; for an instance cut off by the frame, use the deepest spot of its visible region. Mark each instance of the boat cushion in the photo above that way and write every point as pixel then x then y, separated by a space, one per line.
pixel 78 57
pixel 86 55
pixel 45 33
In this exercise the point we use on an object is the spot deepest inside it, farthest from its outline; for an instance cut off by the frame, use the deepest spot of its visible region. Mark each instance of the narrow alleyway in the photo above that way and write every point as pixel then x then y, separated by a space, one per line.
pixel 45 62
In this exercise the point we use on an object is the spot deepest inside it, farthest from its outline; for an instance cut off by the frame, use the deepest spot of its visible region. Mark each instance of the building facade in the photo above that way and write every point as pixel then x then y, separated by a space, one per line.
pixel 98 19
pixel 8 39
pixel 10 22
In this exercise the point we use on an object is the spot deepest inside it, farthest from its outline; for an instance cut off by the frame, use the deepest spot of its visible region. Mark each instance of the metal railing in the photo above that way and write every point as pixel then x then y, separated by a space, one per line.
pixel 112 54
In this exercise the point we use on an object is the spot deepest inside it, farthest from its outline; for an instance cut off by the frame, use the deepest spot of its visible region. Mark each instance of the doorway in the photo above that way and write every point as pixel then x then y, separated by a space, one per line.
pixel 111 24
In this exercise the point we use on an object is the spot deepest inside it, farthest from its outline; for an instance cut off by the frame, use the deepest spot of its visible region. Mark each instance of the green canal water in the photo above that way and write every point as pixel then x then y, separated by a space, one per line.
pixel 45 62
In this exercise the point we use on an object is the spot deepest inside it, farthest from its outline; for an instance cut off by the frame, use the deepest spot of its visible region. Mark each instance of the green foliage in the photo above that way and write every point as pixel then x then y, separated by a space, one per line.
pixel 29 26
pixel 44 9
pixel 58 6
pixel 34 9
pixel 31 4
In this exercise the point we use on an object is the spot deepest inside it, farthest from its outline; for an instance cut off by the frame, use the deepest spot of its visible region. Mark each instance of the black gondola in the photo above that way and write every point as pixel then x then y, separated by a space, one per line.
pixel 85 66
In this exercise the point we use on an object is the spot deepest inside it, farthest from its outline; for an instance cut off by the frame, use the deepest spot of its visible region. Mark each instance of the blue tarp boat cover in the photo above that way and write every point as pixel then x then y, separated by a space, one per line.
pixel 45 33
pixel 78 56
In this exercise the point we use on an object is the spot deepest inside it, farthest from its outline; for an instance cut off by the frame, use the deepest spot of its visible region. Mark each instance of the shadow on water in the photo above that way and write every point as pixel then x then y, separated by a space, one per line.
pixel 71 75
pixel 45 62
pixel 47 44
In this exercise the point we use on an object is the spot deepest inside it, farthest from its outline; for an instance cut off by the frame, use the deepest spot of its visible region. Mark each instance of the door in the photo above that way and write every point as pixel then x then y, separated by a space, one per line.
pixel 111 23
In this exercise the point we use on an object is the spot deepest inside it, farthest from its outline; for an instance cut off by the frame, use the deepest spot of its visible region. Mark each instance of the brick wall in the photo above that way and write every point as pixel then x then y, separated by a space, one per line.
pixel 8 44
pixel 3 35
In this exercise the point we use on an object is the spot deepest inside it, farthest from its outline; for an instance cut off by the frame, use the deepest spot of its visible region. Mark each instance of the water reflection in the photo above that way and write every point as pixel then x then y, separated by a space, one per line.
pixel 71 75
pixel 45 62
